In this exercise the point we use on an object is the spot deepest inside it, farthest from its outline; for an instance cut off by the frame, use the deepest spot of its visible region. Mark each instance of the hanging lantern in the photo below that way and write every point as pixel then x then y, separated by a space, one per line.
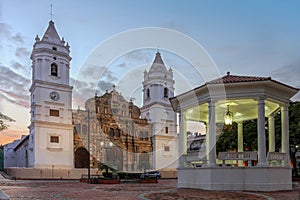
pixel 228 117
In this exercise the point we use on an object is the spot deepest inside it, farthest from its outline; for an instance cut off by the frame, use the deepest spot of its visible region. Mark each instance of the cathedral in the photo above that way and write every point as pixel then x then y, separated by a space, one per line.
pixel 110 130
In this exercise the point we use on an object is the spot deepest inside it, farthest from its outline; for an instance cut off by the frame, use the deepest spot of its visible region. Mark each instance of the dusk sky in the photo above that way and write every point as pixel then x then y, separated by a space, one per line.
pixel 247 37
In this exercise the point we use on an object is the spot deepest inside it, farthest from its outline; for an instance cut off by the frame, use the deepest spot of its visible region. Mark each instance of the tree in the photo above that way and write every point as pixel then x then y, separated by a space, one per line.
pixel 3 120
pixel 294 123
pixel 227 141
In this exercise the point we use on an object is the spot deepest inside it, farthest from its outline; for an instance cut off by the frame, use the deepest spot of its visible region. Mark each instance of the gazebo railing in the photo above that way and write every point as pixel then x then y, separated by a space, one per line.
pixel 197 156
pixel 248 156
pixel 276 158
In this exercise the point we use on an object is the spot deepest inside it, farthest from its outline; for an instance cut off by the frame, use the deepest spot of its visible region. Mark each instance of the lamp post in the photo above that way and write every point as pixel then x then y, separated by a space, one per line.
pixel 89 166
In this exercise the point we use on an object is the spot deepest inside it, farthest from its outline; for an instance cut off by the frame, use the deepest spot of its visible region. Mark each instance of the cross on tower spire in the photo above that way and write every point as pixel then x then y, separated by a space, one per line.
pixel 51 12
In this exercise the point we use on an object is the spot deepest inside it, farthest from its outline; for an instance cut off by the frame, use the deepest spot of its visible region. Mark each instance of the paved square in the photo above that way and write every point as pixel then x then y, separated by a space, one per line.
pixel 165 189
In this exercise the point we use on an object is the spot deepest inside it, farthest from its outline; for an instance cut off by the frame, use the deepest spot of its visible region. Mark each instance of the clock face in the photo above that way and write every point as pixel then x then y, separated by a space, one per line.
pixel 54 95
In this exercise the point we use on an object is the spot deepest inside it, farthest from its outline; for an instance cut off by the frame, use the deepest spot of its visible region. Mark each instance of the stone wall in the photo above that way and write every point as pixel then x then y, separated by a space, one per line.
pixel 32 173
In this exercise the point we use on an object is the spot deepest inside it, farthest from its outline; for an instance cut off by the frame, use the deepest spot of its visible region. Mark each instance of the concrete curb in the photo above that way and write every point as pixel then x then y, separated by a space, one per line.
pixel 3 195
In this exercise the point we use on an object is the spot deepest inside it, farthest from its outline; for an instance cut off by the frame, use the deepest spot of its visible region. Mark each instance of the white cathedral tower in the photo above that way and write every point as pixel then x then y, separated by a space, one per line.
pixel 158 87
pixel 51 130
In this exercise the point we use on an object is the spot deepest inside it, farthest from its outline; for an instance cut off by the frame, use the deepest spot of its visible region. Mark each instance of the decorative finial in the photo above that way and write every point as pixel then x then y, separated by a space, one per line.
pixel 37 38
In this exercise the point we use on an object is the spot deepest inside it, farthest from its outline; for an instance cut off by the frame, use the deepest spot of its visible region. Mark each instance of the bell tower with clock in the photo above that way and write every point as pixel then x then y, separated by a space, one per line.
pixel 51 130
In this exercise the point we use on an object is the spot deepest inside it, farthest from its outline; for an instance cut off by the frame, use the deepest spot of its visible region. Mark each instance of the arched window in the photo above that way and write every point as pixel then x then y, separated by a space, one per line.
pixel 166 130
pixel 146 135
pixel 84 129
pixel 78 128
pixel 148 93
pixel 166 92
pixel 141 136
pixel 118 133
pixel 54 69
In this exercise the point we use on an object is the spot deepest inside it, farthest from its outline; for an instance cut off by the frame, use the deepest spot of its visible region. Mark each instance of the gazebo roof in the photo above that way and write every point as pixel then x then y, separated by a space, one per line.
pixel 237 79
pixel 240 92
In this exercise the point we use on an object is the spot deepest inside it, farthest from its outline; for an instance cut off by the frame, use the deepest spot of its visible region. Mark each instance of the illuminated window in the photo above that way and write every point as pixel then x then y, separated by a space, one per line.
pixel 54 69
pixel 54 139
pixel 54 113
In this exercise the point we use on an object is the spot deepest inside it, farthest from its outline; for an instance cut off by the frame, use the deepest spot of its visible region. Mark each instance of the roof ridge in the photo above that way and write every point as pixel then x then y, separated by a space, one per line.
pixel 237 78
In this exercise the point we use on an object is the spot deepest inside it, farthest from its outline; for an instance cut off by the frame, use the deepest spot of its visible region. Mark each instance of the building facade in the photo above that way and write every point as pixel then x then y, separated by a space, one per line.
pixel 158 87
pixel 51 130
pixel 110 131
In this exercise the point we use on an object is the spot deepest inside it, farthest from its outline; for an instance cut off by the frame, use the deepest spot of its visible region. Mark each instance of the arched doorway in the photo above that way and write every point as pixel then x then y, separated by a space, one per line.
pixel 144 162
pixel 81 158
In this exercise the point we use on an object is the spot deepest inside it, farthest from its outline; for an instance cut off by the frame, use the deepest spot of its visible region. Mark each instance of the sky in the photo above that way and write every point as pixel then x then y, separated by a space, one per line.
pixel 113 42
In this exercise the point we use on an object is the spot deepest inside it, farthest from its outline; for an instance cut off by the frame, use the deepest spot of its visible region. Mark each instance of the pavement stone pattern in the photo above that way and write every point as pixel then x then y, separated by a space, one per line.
pixel 165 189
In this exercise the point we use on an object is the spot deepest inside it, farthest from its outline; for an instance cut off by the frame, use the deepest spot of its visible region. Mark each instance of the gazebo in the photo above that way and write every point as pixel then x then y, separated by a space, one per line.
pixel 235 98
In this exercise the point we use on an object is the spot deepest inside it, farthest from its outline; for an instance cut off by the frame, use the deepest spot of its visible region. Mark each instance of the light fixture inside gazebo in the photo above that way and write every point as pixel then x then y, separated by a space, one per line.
pixel 228 117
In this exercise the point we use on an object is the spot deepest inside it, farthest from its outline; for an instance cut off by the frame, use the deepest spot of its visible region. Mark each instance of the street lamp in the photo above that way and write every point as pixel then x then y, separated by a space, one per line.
pixel 89 152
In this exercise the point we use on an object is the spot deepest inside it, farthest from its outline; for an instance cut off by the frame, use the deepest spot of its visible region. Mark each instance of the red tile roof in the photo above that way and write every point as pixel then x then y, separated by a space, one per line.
pixel 237 79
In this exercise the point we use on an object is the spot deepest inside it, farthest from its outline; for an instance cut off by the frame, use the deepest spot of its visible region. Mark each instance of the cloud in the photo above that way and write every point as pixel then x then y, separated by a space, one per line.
pixel 5 30
pixel 16 65
pixel 5 33
pixel 139 55
pixel 84 90
pixel 18 38
pixel 122 65
pixel 104 85
pixel 22 52
pixel 288 74
pixel 108 75
pixel 14 87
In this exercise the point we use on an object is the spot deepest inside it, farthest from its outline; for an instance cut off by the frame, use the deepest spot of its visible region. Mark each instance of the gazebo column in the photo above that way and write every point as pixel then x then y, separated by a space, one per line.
pixel 271 124
pixel 211 136
pixel 285 133
pixel 182 147
pixel 240 140
pixel 262 161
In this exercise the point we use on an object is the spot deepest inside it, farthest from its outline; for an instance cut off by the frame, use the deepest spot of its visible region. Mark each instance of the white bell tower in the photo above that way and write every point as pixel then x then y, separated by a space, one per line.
pixel 158 87
pixel 51 130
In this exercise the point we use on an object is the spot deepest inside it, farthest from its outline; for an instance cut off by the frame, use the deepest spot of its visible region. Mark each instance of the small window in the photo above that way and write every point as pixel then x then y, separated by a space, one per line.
pixel 166 92
pixel 54 58
pixel 111 132
pixel 54 113
pixel 167 148
pixel 54 69
pixel 54 48
pixel 166 130
pixel 148 93
pixel 54 139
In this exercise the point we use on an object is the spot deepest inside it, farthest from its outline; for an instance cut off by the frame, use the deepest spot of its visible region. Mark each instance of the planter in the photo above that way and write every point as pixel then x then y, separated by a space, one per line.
pixel 108 181
pixel 101 181
pixel 148 181
pixel 82 180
